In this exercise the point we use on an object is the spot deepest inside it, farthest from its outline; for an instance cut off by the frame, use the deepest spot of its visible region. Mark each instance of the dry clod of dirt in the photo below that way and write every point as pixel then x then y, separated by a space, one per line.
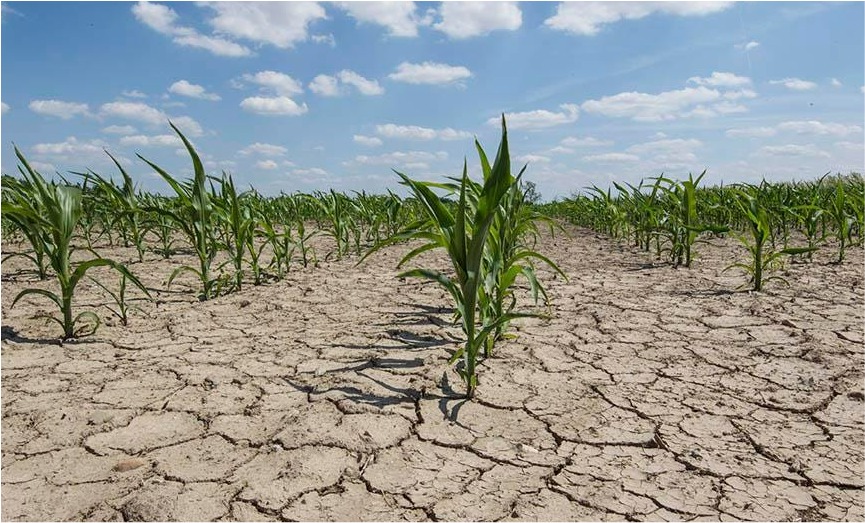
pixel 652 394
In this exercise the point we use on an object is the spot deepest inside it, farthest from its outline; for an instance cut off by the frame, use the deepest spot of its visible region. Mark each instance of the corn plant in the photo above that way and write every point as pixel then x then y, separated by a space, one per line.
pixel 194 217
pixel 238 226
pixel 119 298
pixel 55 220
pixel 837 211
pixel 124 202
pixel 762 260
pixel 463 234
pixel 25 194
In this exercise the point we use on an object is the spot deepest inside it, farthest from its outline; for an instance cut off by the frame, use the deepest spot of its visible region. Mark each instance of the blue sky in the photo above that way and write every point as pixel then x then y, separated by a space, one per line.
pixel 305 96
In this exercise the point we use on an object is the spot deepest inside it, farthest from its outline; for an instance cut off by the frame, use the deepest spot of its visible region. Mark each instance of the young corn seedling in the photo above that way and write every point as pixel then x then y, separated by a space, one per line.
pixel 24 194
pixel 119 297
pixel 55 221
pixel 837 210
pixel 463 234
pixel 762 259
pixel 194 217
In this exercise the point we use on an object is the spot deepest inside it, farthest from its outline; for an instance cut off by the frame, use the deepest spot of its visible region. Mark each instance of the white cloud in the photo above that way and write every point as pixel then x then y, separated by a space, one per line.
pixel 279 83
pixel 540 118
pixel 751 132
pixel 587 18
pixel 586 141
pixel 119 129
pixel 43 167
pixel 819 128
pixel 325 85
pixel 184 88
pixel 273 106
pixel 611 158
pixel 4 106
pixel 560 150
pixel 850 146
pixel 719 79
pixel 401 158
pixel 318 171
pixel 429 73
pixel 399 18
pixel 264 149
pixel 531 158
pixel 747 46
pixel 71 146
pixel 467 19
pixel 324 39
pixel 666 146
pixel 161 140
pixel 280 24
pixel 364 86
pixel 369 141
pixel 134 93
pixel 413 132
pixel 791 150
pixel 736 95
pixel 60 109
pixel 162 19
pixel 795 84
pixel 188 126
pixel 729 108
pixel 836 82
pixel 667 105
pixel 267 165
pixel 137 111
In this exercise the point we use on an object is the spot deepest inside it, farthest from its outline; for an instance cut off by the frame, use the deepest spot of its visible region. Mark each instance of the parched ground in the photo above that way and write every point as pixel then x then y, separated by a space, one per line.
pixel 653 394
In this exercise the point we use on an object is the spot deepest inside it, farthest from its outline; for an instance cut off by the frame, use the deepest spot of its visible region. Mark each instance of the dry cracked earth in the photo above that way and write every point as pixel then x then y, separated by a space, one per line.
pixel 653 393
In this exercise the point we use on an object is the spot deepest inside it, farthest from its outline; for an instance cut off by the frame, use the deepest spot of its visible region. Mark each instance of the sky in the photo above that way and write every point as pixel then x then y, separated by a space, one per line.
pixel 306 96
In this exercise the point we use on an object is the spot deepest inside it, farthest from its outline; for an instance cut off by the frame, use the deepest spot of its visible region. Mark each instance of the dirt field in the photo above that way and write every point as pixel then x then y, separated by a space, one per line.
pixel 653 394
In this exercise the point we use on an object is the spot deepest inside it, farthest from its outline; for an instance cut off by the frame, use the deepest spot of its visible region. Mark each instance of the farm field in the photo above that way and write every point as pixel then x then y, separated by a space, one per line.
pixel 651 393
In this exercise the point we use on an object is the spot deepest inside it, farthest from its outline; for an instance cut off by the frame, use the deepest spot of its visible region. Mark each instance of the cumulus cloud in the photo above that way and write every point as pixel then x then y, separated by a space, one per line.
pixel 666 146
pixel 119 129
pixel 273 106
pixel 645 107
pixel 588 18
pixel 279 83
pixel 795 84
pixel 4 106
pixel 184 88
pixel 369 141
pixel 586 141
pixel 540 118
pixel 793 150
pixel 461 20
pixel 719 79
pixel 161 140
pixel 59 109
pixel 325 85
pixel 836 82
pixel 327 39
pixel 134 93
pixel 400 18
pixel 819 128
pixel 414 132
pixel 429 73
pixel 163 19
pixel 70 146
pixel 401 158
pixel 364 86
pixel 267 165
pixel 137 111
pixel 751 132
pixel 531 158
pixel 281 24
pixel 263 149
pixel 611 158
